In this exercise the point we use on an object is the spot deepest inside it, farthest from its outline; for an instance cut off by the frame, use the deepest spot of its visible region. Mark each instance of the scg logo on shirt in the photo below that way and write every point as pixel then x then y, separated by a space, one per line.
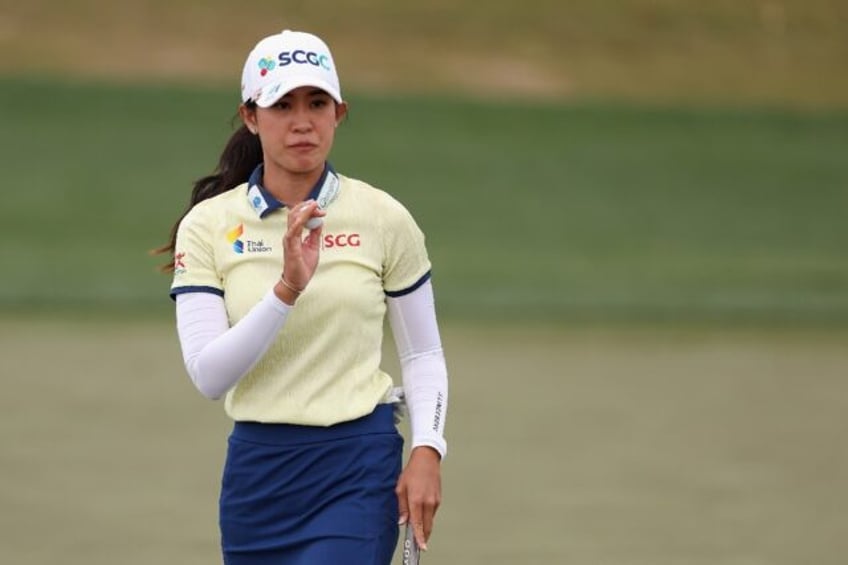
pixel 302 57
pixel 340 240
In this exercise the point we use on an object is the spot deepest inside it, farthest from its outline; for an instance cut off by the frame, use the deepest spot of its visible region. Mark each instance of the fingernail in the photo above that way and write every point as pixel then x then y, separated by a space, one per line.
pixel 423 547
pixel 402 521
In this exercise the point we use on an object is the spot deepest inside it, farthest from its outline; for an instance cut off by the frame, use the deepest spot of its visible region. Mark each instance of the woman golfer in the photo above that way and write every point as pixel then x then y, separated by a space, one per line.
pixel 283 272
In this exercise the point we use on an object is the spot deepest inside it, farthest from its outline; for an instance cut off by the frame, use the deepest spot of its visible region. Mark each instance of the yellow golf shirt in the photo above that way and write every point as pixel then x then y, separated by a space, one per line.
pixel 324 366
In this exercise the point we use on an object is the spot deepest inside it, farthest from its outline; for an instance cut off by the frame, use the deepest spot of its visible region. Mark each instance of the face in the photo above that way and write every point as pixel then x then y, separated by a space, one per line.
pixel 297 132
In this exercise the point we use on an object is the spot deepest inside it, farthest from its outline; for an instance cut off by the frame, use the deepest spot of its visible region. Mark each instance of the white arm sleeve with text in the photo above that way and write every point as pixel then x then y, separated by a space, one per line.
pixel 425 381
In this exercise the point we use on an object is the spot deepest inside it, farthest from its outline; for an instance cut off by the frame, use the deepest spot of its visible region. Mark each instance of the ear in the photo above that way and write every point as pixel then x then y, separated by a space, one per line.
pixel 341 112
pixel 248 118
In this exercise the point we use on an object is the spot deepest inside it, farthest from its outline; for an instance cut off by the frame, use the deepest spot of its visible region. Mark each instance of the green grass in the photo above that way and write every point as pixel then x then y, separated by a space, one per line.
pixel 618 448
pixel 558 213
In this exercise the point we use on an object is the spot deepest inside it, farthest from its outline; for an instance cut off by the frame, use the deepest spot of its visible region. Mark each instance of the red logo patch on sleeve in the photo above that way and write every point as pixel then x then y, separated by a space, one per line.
pixel 179 265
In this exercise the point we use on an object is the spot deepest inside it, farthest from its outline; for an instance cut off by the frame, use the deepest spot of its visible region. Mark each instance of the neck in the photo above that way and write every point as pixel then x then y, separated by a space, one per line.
pixel 288 187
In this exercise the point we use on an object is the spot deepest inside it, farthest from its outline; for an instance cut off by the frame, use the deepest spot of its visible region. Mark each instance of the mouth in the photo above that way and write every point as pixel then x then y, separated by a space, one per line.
pixel 302 146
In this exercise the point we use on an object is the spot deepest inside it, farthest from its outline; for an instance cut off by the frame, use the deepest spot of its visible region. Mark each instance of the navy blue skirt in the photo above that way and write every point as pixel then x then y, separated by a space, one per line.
pixel 312 495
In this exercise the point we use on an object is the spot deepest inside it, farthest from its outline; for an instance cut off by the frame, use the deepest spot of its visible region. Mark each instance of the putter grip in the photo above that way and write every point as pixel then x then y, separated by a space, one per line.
pixel 411 553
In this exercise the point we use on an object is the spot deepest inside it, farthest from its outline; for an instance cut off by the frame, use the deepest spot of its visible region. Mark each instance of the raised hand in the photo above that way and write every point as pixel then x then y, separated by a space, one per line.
pixel 300 255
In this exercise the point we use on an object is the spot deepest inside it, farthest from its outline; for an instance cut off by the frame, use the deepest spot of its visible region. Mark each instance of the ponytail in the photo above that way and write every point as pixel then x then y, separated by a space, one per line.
pixel 242 154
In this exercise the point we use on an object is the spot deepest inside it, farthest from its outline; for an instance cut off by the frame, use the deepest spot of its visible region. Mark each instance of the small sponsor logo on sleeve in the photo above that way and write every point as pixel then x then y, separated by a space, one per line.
pixel 179 264
pixel 437 419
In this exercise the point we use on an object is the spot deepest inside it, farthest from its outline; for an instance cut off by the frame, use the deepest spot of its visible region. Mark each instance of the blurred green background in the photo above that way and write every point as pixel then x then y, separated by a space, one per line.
pixel 635 210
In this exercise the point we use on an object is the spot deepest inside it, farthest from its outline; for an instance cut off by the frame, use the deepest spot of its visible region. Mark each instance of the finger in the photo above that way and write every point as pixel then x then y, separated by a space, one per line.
pixel 420 537
pixel 417 519
pixel 298 217
pixel 428 514
pixel 315 219
pixel 313 239
pixel 293 240
pixel 403 505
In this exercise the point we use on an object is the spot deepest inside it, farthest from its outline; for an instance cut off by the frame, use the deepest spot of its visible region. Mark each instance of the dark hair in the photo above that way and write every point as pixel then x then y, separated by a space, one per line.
pixel 240 157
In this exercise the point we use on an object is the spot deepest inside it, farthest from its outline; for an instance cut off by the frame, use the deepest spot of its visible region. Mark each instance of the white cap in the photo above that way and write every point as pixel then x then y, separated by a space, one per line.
pixel 285 61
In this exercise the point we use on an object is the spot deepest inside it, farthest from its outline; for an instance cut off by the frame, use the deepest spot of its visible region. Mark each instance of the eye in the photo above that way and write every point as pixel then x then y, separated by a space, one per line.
pixel 282 104
pixel 320 102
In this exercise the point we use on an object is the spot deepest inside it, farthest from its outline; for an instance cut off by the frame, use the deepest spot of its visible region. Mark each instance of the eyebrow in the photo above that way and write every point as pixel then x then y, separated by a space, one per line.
pixel 314 92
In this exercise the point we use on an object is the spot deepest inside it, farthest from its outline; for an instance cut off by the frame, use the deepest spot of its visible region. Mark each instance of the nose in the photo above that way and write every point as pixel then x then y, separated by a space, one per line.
pixel 301 121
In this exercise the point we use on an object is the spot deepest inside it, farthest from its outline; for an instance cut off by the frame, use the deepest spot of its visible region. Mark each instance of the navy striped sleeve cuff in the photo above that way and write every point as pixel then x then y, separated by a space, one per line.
pixel 187 289
pixel 413 288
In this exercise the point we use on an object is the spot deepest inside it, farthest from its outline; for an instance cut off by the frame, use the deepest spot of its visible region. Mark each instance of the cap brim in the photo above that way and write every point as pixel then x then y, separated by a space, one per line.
pixel 276 90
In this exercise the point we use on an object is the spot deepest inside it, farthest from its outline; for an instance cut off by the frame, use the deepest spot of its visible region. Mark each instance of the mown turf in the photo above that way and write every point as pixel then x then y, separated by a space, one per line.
pixel 599 447
pixel 564 213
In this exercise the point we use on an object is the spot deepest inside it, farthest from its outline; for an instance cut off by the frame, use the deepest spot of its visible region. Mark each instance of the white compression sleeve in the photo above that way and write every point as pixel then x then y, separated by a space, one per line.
pixel 422 360
pixel 216 355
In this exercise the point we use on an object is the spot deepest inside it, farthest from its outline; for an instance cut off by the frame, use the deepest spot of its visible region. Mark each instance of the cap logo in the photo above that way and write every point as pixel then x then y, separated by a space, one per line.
pixel 266 64
pixel 302 57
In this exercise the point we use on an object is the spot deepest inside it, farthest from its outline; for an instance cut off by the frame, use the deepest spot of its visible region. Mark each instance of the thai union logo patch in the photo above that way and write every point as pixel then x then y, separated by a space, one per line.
pixel 243 245
pixel 234 237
